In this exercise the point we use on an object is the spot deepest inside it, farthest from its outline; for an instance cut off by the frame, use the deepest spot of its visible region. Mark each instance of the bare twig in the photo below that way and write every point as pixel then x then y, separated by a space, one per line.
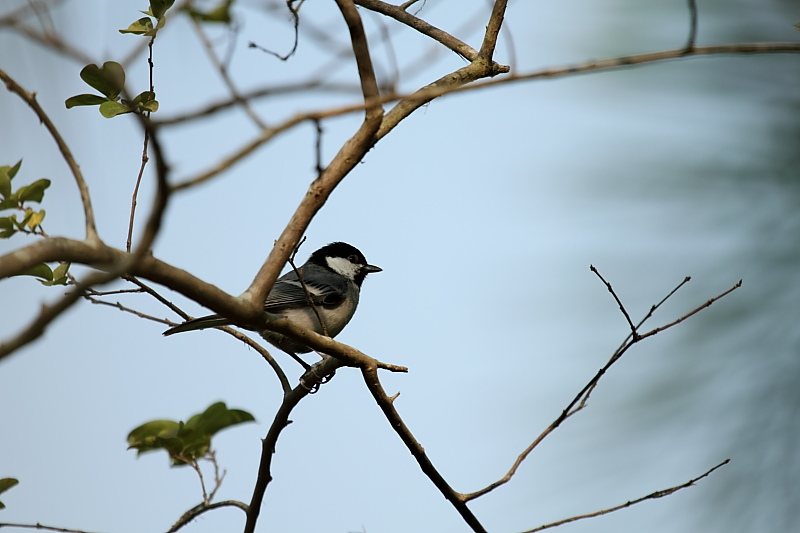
pixel 386 403
pixel 223 73
pixel 197 510
pixel 580 399
pixel 652 496
pixel 39 526
pixel 66 153
pixel 692 25
pixel 295 12
pixel 634 334
pixel 118 305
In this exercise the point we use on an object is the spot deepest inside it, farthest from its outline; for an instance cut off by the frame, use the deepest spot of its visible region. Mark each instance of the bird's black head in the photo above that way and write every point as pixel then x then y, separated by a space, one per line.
pixel 344 259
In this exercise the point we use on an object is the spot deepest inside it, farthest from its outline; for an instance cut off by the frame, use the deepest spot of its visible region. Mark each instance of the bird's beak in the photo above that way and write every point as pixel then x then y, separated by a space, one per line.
pixel 371 268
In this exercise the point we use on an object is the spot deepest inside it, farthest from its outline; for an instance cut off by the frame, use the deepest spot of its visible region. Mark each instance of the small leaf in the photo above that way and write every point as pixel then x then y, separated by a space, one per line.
pixel 84 99
pixel 9 203
pixel 159 7
pixel 33 192
pixel 143 26
pixel 108 79
pixel 220 13
pixel 61 270
pixel 36 219
pixel 14 169
pixel 218 417
pixel 150 435
pixel 111 109
pixel 5 182
pixel 39 271
pixel 151 106
pixel 5 484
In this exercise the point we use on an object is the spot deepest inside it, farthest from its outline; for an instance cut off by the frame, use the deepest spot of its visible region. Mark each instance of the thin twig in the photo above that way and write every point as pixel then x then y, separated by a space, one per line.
pixel 223 73
pixel 652 496
pixel 118 305
pixel 199 509
pixel 145 158
pixel 580 399
pixel 37 525
pixel 692 25
pixel 634 334
pixel 295 12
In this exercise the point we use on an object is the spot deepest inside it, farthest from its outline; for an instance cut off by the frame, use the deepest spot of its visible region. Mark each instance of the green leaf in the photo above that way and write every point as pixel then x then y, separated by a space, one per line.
pixel 111 109
pixel 144 101
pixel 218 417
pixel 40 271
pixel 35 219
pixel 8 226
pixel 59 275
pixel 220 13
pixel 5 182
pixel 159 7
pixel 150 435
pixel 9 203
pixel 143 26
pixel 84 99
pixel 14 169
pixel 5 484
pixel 7 174
pixel 33 192
pixel 108 79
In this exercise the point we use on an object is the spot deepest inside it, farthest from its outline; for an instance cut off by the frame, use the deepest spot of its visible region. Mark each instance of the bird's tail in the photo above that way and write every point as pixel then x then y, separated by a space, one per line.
pixel 203 322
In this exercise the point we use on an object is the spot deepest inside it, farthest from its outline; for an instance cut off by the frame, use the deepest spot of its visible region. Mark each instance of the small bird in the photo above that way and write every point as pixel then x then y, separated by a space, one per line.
pixel 332 276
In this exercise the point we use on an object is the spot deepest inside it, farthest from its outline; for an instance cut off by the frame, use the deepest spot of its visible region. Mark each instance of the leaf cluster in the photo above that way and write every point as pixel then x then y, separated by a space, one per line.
pixel 186 442
pixel 110 81
pixel 15 199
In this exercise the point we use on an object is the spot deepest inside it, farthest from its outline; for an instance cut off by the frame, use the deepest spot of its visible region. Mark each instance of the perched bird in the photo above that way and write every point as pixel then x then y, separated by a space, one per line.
pixel 332 276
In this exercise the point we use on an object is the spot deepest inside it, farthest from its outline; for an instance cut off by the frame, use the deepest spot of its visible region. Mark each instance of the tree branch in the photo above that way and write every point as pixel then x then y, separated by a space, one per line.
pixel 386 404
pixel 652 496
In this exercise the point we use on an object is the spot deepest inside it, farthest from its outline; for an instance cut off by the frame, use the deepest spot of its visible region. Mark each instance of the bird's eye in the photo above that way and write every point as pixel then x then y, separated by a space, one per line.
pixel 353 258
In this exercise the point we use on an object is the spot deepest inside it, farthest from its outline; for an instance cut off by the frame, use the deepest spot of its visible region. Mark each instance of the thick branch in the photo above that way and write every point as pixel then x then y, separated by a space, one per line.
pixel 348 157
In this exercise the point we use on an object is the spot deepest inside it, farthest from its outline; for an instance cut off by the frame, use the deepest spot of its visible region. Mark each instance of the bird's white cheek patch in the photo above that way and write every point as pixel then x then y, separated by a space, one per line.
pixel 343 267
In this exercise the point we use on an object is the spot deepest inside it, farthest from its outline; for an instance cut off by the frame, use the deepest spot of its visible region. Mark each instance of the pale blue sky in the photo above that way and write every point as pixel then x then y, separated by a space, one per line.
pixel 485 210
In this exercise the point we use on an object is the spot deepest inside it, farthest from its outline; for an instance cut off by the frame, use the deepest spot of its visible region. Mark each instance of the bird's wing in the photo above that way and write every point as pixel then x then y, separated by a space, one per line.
pixel 288 293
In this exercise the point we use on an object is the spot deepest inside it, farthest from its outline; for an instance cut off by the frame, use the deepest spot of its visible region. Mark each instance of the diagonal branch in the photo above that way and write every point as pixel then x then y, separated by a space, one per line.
pixel 66 153
pixel 345 160
pixel 492 31
pixel 579 401
pixel 425 28
pixel 386 404
pixel 652 496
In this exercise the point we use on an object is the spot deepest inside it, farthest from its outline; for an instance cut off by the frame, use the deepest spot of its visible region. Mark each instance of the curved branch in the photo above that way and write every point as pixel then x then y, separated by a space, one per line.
pixel 197 510
pixel 401 15
pixel 652 496
pixel 66 153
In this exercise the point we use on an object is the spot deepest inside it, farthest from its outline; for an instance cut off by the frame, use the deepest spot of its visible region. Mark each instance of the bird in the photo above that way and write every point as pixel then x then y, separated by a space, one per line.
pixel 332 277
